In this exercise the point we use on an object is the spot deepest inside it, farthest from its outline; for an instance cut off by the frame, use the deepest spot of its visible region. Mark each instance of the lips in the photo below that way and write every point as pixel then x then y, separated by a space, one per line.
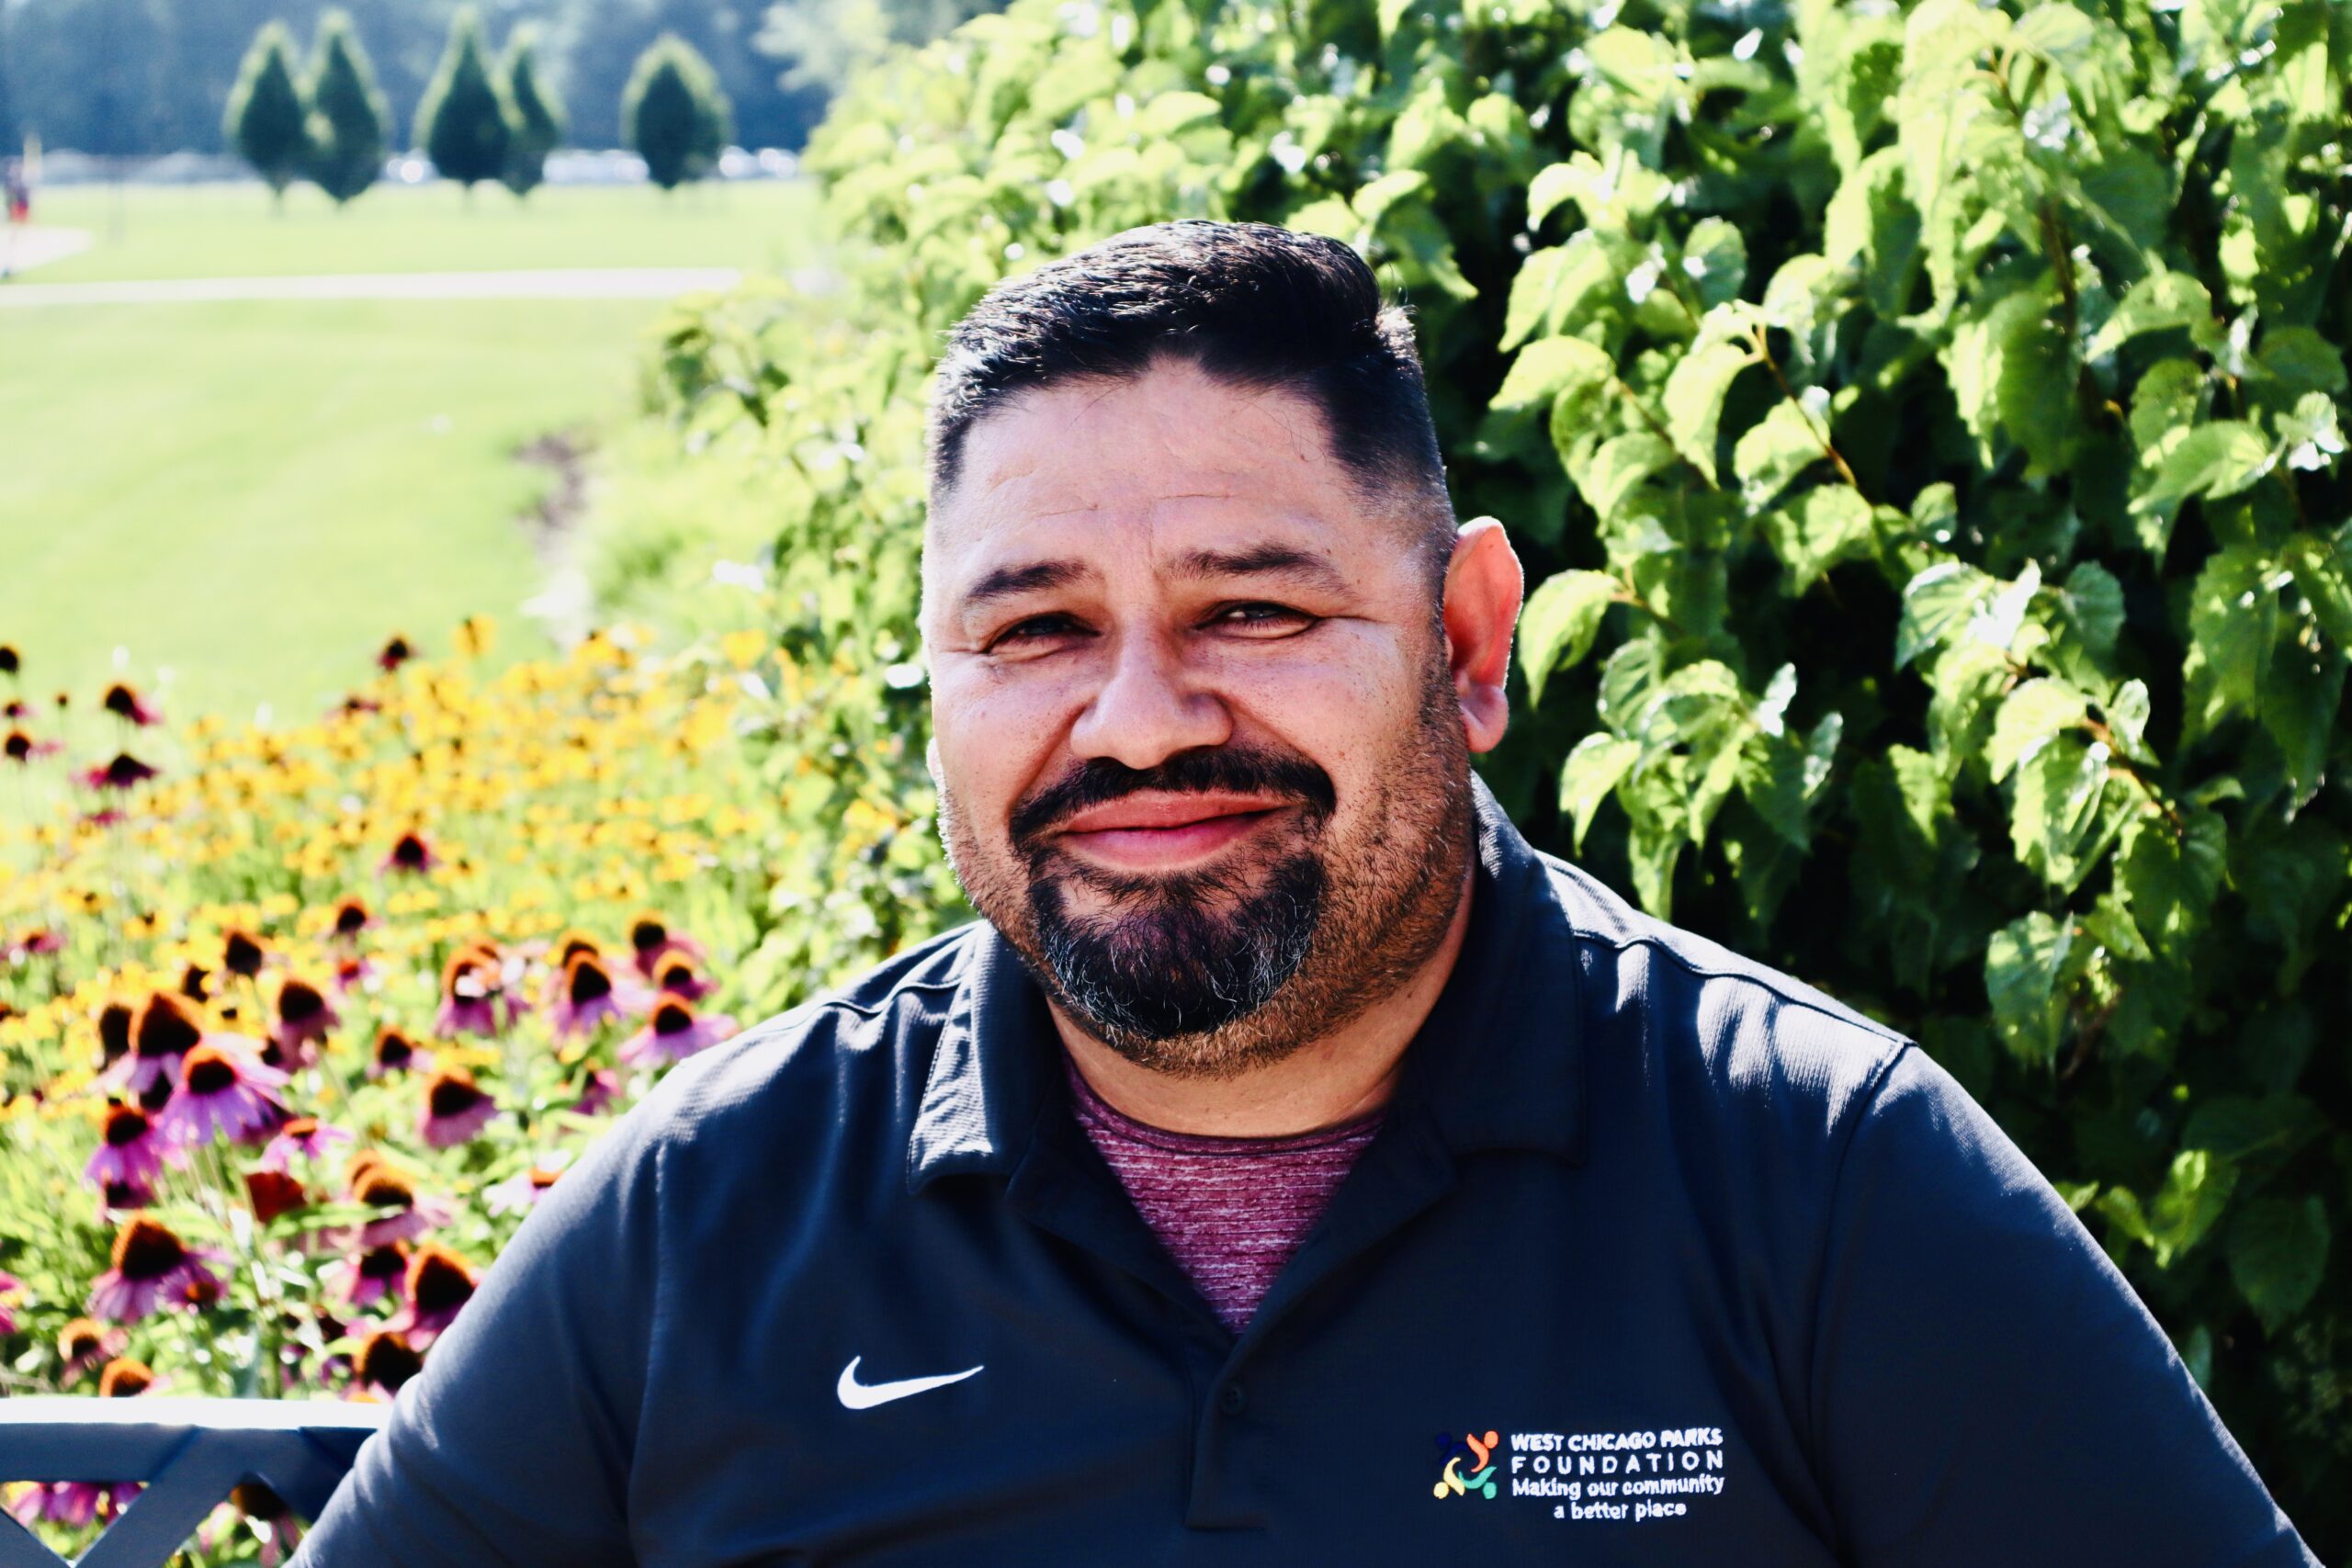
pixel 1161 831
pixel 1146 812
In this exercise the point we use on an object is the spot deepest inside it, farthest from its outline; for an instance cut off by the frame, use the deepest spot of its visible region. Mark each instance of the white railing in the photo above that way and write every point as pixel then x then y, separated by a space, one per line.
pixel 188 1452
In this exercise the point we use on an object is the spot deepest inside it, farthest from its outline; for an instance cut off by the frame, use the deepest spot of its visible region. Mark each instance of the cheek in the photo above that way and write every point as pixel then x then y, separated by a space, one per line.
pixel 1344 701
pixel 991 737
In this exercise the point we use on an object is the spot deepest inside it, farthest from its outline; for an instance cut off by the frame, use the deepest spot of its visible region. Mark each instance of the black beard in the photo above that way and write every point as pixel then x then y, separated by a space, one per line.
pixel 1171 964
pixel 1180 955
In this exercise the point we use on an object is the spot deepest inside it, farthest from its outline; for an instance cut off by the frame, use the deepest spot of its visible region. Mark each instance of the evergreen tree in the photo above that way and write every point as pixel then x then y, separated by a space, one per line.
pixel 674 113
pixel 464 123
pixel 266 118
pixel 539 113
pixel 350 122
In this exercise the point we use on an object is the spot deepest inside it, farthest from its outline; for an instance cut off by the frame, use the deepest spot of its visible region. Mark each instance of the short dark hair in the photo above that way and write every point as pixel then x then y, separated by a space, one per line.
pixel 1252 305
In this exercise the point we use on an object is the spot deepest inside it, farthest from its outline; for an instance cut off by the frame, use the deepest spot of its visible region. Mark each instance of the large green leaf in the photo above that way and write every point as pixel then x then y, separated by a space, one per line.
pixel 1557 629
pixel 2279 1255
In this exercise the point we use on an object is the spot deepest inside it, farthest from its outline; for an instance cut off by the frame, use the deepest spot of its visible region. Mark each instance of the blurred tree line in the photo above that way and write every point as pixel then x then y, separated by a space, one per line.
pixel 149 76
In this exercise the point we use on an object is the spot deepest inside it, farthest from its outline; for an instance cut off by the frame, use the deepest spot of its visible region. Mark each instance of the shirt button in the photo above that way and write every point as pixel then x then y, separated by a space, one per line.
pixel 1232 1400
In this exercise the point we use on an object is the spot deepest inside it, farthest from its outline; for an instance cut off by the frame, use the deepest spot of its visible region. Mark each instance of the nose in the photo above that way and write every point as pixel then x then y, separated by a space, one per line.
pixel 1149 708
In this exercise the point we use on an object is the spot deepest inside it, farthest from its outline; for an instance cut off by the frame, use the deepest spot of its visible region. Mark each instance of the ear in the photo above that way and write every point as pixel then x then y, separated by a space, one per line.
pixel 1483 586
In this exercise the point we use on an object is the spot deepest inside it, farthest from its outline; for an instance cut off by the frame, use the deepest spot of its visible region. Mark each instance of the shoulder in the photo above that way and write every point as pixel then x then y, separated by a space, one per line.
pixel 1687 1015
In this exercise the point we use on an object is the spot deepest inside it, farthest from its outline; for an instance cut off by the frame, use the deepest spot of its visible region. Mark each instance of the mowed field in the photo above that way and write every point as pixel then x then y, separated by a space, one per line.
pixel 253 495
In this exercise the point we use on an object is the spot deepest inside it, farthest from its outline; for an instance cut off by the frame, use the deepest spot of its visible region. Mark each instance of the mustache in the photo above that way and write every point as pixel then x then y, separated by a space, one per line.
pixel 1243 770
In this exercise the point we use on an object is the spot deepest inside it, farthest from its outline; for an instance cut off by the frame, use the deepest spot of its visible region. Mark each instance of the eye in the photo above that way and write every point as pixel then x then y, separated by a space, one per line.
pixel 1027 635
pixel 1262 619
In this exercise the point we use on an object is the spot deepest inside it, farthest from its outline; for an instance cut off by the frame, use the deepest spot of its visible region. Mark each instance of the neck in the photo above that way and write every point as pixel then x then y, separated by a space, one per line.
pixel 1334 1078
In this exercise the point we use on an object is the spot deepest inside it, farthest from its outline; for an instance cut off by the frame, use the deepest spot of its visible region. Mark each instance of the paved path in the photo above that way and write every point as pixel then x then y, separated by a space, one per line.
pixel 563 283
pixel 24 247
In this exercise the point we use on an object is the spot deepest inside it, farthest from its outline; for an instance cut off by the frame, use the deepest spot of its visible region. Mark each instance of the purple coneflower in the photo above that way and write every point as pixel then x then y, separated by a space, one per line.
pixel 84 1343
pixel 409 853
pixel 305 1136
pixel 396 1052
pixel 522 1190
pixel 22 747
pixel 129 1157
pixel 258 1511
pixel 473 995
pixel 273 1192
pixel 153 1267
pixel 586 995
pixel 121 774
pixel 384 1361
pixel 673 1034
pixel 598 1094
pixel 226 1089
pixel 676 975
pixel 9 1287
pixel 122 701
pixel 114 1032
pixel 456 1109
pixel 350 974
pixel 439 1284
pixel 351 917
pixel 303 1015
pixel 652 940
pixel 402 1212
pixel 395 653
pixel 371 1276
pixel 167 1028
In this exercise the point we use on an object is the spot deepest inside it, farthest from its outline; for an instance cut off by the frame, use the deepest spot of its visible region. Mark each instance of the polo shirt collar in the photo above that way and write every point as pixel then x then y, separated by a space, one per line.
pixel 1496 1065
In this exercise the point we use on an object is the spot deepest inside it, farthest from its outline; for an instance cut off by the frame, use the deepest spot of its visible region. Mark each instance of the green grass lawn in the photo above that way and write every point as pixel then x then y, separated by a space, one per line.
pixel 255 496
pixel 229 231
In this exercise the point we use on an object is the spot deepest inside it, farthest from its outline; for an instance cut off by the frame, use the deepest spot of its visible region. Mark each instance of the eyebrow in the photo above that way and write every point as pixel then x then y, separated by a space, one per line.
pixel 1260 561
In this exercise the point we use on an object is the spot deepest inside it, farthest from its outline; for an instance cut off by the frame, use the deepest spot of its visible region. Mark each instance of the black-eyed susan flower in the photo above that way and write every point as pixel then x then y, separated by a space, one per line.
pixel 153 1267
pixel 223 1089
pixel 128 1161
pixel 409 855
pixel 673 1034
pixel 456 1110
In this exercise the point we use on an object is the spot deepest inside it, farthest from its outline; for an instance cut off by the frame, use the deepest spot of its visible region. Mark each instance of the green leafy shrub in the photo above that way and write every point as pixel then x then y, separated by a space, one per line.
pixel 539 113
pixel 1922 423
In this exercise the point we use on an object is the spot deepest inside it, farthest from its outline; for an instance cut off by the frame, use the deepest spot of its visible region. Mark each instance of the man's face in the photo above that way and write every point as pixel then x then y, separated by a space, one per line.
pixel 1196 739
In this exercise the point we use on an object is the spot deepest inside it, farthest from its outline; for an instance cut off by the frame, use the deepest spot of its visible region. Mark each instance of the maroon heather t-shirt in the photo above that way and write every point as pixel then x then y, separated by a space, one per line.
pixel 1231 1210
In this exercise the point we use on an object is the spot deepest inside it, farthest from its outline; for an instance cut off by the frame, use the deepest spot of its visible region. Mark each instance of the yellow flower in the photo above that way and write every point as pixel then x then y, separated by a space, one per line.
pixel 743 647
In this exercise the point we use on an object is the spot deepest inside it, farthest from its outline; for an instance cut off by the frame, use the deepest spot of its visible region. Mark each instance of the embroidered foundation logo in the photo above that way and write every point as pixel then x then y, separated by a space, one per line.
pixel 1468 1467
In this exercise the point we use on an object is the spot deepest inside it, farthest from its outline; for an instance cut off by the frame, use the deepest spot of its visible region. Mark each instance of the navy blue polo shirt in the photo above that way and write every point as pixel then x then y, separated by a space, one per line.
pixel 1659 1258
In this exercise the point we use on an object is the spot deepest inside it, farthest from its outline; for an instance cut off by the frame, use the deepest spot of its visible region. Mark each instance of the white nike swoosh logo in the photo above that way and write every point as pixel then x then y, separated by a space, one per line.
pixel 856 1395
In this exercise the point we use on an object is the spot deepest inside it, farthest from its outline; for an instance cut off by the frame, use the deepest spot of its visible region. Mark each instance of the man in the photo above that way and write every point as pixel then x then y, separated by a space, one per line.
pixel 1293 1167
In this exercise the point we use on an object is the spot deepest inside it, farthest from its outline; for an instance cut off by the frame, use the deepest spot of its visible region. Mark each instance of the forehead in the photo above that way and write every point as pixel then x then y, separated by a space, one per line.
pixel 1111 465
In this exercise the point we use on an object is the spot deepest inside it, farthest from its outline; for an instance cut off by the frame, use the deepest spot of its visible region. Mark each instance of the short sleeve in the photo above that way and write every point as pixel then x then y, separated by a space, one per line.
pixel 513 1444
pixel 1987 1387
